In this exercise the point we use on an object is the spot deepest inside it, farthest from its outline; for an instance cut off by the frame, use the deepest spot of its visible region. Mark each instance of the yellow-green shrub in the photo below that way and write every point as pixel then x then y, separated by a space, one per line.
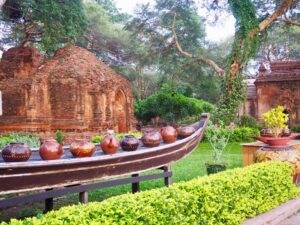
pixel 224 198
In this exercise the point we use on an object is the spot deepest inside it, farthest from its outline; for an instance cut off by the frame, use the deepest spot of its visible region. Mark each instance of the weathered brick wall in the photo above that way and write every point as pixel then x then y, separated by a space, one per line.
pixel 73 91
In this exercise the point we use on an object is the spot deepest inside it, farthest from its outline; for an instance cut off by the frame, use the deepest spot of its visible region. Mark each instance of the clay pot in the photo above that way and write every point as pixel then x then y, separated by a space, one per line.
pixel 130 143
pixel 51 150
pixel 151 138
pixel 286 132
pixel 185 131
pixel 266 132
pixel 169 134
pixel 109 144
pixel 82 148
pixel 16 152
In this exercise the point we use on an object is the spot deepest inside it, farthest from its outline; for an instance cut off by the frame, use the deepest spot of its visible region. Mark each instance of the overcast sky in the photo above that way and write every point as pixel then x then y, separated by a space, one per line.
pixel 216 33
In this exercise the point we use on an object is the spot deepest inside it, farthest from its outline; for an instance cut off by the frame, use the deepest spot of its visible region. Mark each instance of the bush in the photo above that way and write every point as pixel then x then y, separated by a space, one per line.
pixel 240 134
pixel 225 198
pixel 170 106
pixel 248 121
pixel 119 136
pixel 31 140
pixel 296 128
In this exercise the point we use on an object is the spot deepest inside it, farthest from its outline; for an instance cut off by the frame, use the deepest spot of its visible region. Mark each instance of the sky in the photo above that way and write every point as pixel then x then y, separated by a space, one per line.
pixel 217 33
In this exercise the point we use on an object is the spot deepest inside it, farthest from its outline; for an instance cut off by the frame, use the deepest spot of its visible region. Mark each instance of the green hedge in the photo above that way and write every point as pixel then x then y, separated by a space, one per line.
pixel 241 134
pixel 171 106
pixel 224 198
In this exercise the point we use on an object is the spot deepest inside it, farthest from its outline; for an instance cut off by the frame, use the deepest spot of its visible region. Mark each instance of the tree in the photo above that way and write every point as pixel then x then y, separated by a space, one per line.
pixel 110 8
pixel 253 18
pixel 45 23
pixel 153 26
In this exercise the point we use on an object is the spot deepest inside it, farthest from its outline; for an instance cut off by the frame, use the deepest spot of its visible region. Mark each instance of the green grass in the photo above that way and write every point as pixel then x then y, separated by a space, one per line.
pixel 186 169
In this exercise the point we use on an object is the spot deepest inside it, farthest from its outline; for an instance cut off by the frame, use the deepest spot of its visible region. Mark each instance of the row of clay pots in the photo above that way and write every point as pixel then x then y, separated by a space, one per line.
pixel 50 149
pixel 167 134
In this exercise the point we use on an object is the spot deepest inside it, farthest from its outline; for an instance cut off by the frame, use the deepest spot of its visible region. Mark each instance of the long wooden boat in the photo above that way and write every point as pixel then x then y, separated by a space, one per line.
pixel 37 174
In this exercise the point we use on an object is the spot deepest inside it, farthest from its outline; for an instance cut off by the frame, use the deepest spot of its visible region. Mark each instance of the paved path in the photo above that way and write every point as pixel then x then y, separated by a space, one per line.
pixel 292 220
pixel 285 214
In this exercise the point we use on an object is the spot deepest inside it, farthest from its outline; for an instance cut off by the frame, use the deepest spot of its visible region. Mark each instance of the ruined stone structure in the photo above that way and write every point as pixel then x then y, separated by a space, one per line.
pixel 73 91
pixel 278 86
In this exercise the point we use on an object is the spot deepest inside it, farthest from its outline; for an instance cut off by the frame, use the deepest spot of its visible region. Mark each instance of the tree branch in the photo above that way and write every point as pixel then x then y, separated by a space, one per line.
pixel 265 23
pixel 209 62
pixel 289 21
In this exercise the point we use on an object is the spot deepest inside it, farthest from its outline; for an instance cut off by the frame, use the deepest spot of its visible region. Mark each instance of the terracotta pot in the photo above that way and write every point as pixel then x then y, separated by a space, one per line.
pixel 185 131
pixel 82 148
pixel 286 132
pixel 267 132
pixel 16 152
pixel 109 144
pixel 130 143
pixel 151 138
pixel 169 134
pixel 281 141
pixel 51 150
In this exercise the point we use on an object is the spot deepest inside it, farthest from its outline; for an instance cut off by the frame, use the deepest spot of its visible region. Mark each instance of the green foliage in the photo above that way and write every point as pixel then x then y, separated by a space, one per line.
pixel 170 106
pixel 51 22
pixel 31 140
pixel 241 134
pixel 296 128
pixel 248 121
pixel 226 198
pixel 59 136
pixel 110 7
pixel 245 46
pixel 5 140
pixel 276 120
pixel 218 136
pixel 119 136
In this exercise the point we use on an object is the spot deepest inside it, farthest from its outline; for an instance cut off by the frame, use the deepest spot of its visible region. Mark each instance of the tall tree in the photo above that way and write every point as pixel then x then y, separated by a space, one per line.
pixel 47 23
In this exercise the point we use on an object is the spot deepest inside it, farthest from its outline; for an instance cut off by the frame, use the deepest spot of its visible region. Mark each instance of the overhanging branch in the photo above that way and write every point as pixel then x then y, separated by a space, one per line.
pixel 284 6
pixel 209 62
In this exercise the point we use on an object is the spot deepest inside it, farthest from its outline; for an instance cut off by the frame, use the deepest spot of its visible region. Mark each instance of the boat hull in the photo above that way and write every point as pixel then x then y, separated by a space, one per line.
pixel 37 174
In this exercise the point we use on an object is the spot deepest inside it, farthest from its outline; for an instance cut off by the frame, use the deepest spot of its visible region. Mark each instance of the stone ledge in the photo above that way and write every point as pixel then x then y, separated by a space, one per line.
pixel 277 215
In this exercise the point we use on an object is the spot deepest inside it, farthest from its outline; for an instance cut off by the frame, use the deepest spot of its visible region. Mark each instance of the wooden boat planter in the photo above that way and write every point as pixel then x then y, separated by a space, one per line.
pixel 71 175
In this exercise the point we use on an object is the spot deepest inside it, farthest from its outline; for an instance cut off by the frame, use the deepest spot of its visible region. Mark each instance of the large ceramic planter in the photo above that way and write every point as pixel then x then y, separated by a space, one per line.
pixel 287 154
pixel 82 148
pixel 151 139
pixel 272 141
pixel 16 152
pixel 213 168
pixel 169 134
pixel 109 144
pixel 130 143
pixel 51 150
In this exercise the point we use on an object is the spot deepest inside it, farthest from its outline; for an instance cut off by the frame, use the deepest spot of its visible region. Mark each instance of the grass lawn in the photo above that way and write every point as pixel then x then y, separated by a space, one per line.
pixel 186 169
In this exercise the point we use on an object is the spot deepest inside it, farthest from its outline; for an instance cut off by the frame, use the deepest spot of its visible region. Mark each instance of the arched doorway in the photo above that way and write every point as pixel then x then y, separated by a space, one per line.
pixel 120 112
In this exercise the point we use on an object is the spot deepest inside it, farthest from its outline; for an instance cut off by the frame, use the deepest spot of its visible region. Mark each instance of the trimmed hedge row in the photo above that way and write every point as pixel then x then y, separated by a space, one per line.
pixel 224 198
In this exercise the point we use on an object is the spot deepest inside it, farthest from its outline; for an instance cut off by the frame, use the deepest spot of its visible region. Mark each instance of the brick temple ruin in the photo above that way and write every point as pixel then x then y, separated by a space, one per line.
pixel 278 86
pixel 73 91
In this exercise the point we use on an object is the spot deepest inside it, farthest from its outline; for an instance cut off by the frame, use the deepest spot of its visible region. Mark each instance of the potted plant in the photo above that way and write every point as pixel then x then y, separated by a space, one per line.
pixel 218 136
pixel 276 120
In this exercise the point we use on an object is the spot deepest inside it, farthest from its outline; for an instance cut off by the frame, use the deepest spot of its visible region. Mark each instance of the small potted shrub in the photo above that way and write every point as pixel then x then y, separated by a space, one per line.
pixel 218 136
pixel 276 120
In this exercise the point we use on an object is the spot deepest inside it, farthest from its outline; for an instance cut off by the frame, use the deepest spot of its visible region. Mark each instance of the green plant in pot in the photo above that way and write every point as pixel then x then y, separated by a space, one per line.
pixel 218 136
pixel 276 120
